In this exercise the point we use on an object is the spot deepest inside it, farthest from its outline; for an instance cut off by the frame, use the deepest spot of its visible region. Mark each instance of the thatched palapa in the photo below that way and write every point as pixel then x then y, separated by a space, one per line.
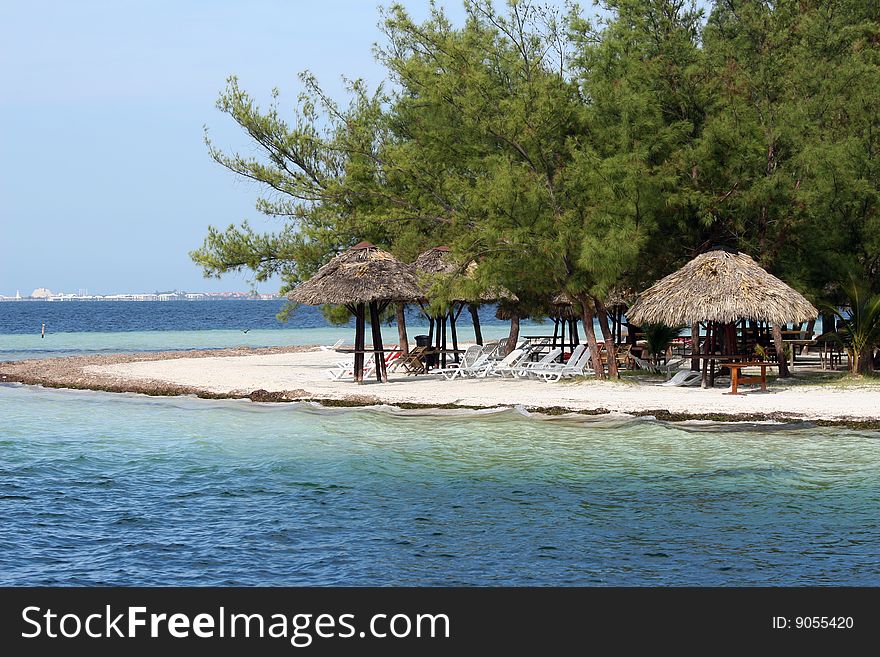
pixel 364 276
pixel 720 287
pixel 436 267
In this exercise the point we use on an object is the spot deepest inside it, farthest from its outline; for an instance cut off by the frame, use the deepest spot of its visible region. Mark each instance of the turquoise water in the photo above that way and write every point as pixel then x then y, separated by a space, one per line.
pixel 17 347
pixel 118 489
pixel 85 328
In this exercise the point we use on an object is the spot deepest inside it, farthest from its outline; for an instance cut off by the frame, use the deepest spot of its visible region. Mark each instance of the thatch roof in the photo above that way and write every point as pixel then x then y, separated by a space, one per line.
pixel 362 274
pixel 438 263
pixel 723 287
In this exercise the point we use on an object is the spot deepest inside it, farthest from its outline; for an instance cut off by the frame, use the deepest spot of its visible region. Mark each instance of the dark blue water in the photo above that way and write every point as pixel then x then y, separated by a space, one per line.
pixel 23 317
pixel 113 489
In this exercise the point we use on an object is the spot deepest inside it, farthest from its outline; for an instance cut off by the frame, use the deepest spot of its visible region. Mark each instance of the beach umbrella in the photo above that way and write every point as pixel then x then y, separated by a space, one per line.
pixel 363 278
pixel 720 288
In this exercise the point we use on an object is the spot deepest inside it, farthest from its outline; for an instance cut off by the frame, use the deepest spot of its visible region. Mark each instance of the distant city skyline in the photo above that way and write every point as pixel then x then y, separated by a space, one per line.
pixel 105 182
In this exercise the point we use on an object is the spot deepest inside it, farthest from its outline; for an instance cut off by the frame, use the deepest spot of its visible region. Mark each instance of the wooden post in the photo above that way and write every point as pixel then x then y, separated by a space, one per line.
pixel 378 347
pixel 695 347
pixel 555 331
pixel 707 339
pixel 359 343
pixel 562 336
pixel 475 318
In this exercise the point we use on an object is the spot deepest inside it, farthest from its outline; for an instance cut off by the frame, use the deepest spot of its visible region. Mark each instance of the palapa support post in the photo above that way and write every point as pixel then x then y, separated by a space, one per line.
pixel 378 347
pixel 562 336
pixel 359 343
pixel 704 380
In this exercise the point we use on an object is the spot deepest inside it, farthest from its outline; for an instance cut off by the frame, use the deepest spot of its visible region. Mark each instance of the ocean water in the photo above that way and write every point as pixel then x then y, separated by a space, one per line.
pixel 123 489
pixel 98 488
pixel 85 328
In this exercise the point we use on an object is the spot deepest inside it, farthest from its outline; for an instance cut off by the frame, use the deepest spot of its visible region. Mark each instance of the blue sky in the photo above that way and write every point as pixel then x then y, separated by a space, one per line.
pixel 105 183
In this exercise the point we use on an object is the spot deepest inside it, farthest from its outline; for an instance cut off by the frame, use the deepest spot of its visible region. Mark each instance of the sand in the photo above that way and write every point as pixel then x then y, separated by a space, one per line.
pixel 282 374
pixel 298 373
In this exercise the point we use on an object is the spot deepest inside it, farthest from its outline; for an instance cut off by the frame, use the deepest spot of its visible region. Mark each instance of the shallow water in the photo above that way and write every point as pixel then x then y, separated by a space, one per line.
pixel 118 489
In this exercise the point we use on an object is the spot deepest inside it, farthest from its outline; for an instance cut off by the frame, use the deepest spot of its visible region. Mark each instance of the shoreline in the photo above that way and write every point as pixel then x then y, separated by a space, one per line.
pixel 157 374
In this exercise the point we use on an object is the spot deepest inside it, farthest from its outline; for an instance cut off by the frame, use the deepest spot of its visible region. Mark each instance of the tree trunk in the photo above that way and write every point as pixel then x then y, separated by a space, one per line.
pixel 865 363
pixel 602 314
pixel 590 332
pixel 780 352
pixel 402 339
pixel 475 316
pixel 695 347
pixel 513 336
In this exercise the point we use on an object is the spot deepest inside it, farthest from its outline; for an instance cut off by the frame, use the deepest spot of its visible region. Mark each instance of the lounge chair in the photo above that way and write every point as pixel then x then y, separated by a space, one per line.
pixel 577 365
pixel 643 364
pixel 334 346
pixel 527 369
pixel 478 368
pixel 413 362
pixel 344 369
pixel 685 378
pixel 507 364
pixel 468 358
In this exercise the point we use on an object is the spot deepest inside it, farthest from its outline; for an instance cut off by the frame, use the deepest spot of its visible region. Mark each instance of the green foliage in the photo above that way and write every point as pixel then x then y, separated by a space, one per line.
pixel 659 337
pixel 859 326
pixel 563 154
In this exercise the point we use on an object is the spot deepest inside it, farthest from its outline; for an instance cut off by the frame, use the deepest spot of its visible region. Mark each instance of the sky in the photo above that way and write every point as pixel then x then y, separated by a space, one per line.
pixel 105 182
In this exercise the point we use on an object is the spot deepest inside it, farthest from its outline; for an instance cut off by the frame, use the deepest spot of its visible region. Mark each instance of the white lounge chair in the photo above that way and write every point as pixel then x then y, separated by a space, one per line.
pixel 344 369
pixel 685 378
pixel 506 364
pixel 577 365
pixel 549 359
pixel 478 367
pixel 468 358
pixel 334 346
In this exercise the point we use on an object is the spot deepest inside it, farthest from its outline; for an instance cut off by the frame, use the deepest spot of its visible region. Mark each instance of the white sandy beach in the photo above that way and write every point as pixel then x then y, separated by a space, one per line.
pixel 305 372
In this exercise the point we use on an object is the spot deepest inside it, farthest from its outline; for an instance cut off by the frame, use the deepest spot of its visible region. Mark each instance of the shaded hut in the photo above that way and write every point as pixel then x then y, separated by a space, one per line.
pixel 364 277
pixel 437 263
pixel 719 289
pixel 563 311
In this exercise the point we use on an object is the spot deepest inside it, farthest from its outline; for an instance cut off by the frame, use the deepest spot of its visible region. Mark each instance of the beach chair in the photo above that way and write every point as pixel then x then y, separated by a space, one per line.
pixel 527 369
pixel 685 378
pixel 413 363
pixel 477 368
pixel 334 346
pixel 345 369
pixel 643 364
pixel 578 365
pixel 507 364
pixel 468 358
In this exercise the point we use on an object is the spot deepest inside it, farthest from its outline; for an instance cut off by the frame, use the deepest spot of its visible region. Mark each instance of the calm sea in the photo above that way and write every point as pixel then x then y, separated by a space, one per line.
pixel 82 328
pixel 98 488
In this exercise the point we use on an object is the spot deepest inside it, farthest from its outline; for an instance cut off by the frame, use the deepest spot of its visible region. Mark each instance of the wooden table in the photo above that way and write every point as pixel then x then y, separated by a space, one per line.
pixel 736 376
